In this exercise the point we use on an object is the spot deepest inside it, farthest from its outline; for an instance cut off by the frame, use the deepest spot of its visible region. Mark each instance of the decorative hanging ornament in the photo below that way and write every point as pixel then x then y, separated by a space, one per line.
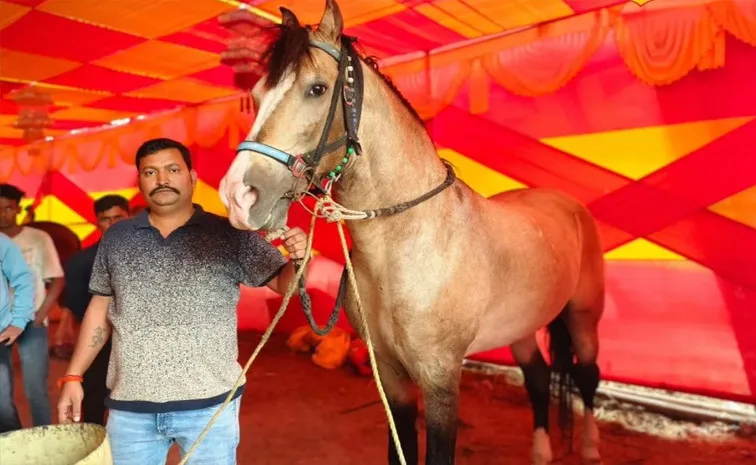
pixel 33 113
pixel 243 55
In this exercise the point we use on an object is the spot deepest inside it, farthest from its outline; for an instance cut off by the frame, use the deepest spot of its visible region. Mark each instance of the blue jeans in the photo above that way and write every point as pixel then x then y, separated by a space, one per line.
pixel 33 352
pixel 145 438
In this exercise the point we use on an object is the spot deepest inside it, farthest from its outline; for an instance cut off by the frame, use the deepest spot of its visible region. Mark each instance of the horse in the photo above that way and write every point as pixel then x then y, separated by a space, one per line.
pixel 442 273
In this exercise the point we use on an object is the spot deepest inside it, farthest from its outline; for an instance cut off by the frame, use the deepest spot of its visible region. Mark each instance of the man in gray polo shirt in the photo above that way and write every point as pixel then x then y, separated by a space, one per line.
pixel 166 282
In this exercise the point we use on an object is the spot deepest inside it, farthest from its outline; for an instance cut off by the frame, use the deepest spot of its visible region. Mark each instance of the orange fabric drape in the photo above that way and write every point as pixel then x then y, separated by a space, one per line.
pixel 430 90
pixel 545 66
pixel 662 46
pixel 204 125
pixel 738 17
pixel 659 46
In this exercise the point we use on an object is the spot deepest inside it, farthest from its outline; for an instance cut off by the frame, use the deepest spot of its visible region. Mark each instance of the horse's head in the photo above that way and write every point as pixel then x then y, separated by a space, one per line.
pixel 300 134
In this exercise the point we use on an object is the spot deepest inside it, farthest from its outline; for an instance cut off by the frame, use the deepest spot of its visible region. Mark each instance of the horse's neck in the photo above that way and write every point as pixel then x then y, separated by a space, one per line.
pixel 399 163
pixel 398 159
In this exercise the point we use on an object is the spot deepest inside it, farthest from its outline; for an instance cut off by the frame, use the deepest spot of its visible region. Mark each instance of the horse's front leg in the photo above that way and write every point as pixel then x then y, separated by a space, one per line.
pixel 439 383
pixel 402 399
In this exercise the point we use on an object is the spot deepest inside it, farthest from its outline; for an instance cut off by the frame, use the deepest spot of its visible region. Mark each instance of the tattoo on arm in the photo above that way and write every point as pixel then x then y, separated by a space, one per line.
pixel 98 337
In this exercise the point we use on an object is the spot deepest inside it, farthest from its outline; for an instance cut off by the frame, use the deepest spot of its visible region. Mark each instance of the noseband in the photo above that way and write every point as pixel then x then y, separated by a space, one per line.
pixel 348 87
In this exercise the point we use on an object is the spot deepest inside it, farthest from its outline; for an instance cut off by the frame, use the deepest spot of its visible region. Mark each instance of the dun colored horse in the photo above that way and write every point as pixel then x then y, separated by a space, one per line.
pixel 445 272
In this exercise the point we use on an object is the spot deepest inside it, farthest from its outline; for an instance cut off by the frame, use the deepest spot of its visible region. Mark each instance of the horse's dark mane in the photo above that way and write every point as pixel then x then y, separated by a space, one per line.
pixel 291 49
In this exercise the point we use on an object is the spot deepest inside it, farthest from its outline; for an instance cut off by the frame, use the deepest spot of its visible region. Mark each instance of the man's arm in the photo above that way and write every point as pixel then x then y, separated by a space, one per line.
pixel 21 280
pixel 94 333
pixel 263 264
pixel 284 279
pixel 52 271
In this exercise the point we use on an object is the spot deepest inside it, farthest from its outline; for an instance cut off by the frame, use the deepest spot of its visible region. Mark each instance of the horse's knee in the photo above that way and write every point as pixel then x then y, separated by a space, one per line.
pixel 587 377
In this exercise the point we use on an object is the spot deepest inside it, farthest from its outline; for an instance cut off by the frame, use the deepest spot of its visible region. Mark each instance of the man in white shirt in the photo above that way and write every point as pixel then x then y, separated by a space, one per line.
pixel 42 257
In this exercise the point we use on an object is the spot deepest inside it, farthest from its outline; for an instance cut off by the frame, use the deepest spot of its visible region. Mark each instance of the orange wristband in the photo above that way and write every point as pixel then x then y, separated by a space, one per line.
pixel 64 379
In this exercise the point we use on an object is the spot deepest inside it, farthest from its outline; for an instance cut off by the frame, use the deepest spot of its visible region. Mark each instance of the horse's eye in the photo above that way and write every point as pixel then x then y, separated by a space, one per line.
pixel 317 90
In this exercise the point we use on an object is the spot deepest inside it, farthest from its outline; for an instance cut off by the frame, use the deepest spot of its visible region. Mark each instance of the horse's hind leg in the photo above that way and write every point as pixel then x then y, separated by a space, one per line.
pixel 586 375
pixel 402 398
pixel 537 377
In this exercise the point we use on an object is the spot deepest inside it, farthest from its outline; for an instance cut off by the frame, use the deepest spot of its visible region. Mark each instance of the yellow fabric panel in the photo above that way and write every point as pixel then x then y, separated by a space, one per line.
pixel 52 209
pixel 10 13
pixel 28 67
pixel 183 90
pixel 641 249
pixel 443 18
pixel 89 114
pixel 126 193
pixel 636 153
pixel 517 13
pixel 8 120
pixel 740 207
pixel 208 197
pixel 480 178
pixel 144 18
pixel 160 60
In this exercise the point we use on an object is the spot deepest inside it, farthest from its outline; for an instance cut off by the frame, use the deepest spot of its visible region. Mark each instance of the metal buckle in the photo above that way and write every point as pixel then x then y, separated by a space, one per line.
pixel 298 167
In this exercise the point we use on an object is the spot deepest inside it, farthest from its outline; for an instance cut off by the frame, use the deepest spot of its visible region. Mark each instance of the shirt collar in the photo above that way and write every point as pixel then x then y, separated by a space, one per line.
pixel 142 219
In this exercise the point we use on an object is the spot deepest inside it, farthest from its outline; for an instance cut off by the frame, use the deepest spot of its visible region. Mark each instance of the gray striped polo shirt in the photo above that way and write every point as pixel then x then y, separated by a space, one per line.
pixel 173 311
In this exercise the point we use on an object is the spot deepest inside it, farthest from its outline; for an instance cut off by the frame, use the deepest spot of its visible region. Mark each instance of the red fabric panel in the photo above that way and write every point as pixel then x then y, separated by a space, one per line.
pixel 687 187
pixel 403 32
pixel 581 6
pixel 220 76
pixel 713 173
pixel 98 78
pixel 31 3
pixel 70 194
pixel 13 142
pixel 520 157
pixel 58 37
pixel 657 332
pixel 604 96
pixel 188 39
pixel 67 125
pixel 137 105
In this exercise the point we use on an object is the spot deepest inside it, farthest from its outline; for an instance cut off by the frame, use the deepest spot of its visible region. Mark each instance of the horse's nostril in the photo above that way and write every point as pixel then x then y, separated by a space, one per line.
pixel 245 196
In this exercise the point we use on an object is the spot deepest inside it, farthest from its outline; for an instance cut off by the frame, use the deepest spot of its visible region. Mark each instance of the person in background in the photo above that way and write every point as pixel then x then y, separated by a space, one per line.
pixel 165 286
pixel 109 210
pixel 16 311
pixel 42 257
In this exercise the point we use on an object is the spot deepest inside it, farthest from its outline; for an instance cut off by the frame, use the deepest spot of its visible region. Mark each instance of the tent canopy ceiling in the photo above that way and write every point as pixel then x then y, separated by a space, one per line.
pixel 105 60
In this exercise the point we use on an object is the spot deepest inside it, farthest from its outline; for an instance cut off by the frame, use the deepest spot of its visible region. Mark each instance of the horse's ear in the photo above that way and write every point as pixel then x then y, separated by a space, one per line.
pixel 331 24
pixel 288 18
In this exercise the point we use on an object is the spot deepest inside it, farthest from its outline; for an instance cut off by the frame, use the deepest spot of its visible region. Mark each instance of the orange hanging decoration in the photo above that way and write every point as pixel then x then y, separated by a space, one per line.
pixel 244 50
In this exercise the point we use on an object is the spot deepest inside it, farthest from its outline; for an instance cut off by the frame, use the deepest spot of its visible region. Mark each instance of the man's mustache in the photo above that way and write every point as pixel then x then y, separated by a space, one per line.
pixel 163 188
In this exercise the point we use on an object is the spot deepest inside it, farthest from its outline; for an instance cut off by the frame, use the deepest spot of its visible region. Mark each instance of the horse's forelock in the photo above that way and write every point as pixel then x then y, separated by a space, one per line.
pixel 288 51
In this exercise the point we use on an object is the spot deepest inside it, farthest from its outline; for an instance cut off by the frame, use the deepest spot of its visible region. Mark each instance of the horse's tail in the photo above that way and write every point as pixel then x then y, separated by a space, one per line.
pixel 562 355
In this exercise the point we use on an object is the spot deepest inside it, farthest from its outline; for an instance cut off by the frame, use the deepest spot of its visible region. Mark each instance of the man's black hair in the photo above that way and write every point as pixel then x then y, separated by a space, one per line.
pixel 11 192
pixel 107 202
pixel 156 145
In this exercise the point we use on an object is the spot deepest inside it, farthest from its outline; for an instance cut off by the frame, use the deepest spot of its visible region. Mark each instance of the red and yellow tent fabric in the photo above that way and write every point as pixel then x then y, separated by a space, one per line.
pixel 645 113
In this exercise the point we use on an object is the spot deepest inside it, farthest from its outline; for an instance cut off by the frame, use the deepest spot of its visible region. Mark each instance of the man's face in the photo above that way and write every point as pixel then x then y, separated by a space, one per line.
pixel 109 217
pixel 165 180
pixel 9 210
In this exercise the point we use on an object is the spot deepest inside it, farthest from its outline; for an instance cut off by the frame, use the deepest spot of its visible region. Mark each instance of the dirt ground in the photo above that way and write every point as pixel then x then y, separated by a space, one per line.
pixel 296 413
